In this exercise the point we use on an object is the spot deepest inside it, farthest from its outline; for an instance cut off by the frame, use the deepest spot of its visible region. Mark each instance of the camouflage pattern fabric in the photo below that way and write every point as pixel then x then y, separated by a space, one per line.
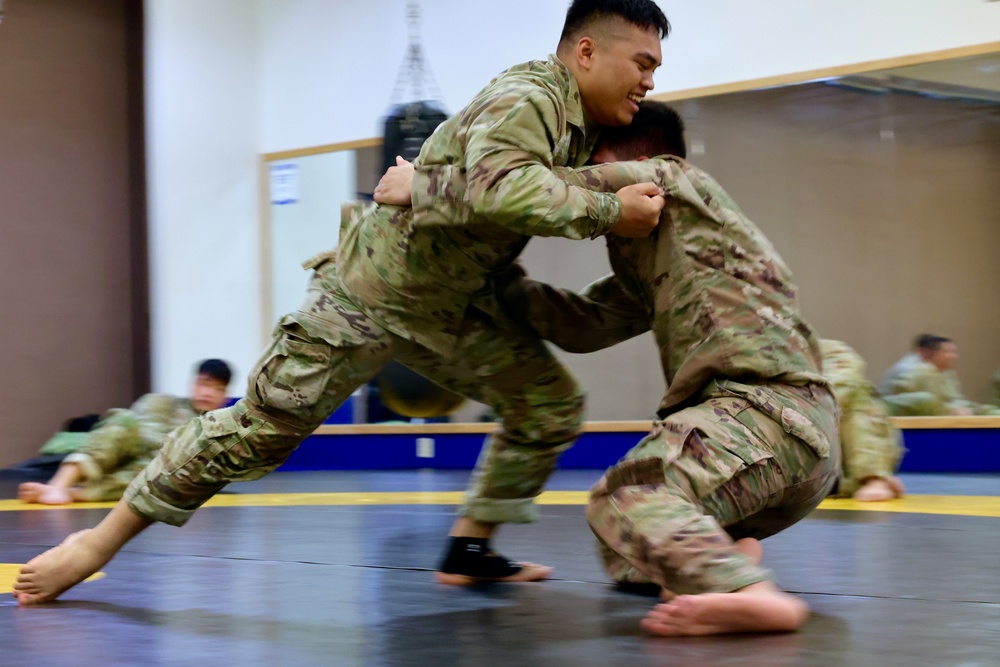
pixel 320 354
pixel 124 442
pixel 483 185
pixel 748 443
pixel 720 300
pixel 406 285
pixel 871 446
pixel 730 467
pixel 914 388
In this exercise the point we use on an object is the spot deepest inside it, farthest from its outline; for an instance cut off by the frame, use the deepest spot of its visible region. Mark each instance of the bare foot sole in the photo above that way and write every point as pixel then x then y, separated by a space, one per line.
pixel 50 574
pixel 528 572
pixel 33 492
pixel 878 489
pixel 726 613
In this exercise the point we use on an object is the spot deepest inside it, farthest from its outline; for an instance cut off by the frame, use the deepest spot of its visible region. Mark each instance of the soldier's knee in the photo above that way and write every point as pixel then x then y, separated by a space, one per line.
pixel 559 418
pixel 291 378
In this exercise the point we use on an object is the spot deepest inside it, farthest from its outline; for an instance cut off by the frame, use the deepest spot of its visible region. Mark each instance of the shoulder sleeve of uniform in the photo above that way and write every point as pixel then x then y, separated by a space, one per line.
pixel 511 145
pixel 438 194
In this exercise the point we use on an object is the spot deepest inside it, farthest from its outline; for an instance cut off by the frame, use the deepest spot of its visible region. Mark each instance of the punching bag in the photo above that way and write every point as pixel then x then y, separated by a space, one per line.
pixel 410 394
pixel 407 126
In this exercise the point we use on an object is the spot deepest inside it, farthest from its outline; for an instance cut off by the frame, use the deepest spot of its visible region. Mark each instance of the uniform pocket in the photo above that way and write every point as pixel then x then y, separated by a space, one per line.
pixel 293 375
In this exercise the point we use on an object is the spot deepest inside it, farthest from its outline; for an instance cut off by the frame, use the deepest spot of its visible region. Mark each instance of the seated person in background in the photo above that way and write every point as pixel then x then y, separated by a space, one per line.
pixel 924 382
pixel 995 393
pixel 125 441
pixel 871 447
pixel 746 443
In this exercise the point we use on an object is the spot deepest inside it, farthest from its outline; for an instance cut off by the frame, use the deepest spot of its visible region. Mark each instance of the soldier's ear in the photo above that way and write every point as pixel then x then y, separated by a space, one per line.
pixel 585 52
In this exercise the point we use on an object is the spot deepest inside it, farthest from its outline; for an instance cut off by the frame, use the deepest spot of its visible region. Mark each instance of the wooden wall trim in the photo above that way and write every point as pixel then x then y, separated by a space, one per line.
pixel 319 150
pixel 264 247
pixel 640 426
pixel 827 72
pixel 720 89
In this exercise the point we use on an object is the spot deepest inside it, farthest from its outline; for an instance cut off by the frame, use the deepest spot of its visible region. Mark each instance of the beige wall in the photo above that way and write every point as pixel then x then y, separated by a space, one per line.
pixel 72 244
pixel 885 207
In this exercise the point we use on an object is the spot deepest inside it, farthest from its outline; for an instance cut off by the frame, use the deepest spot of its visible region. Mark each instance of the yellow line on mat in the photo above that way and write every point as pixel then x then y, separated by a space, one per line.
pixel 956 505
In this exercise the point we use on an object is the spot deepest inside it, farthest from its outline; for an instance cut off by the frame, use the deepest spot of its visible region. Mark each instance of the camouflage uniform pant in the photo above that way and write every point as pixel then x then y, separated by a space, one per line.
pixel 111 456
pixel 871 446
pixel 327 349
pixel 669 512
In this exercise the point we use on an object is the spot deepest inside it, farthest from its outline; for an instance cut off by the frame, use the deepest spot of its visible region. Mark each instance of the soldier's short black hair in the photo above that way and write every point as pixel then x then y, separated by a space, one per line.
pixel 583 14
pixel 657 129
pixel 930 342
pixel 216 369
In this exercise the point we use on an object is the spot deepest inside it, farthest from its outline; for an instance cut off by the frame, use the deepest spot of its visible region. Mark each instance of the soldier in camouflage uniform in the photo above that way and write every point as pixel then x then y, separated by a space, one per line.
pixel 125 441
pixel 403 286
pixel 746 442
pixel 871 446
pixel 924 382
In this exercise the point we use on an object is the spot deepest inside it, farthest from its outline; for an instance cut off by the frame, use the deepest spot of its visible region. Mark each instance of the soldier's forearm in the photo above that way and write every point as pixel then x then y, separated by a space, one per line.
pixel 580 323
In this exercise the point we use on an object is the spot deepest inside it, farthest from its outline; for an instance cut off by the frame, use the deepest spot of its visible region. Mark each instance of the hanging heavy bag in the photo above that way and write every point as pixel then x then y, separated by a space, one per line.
pixel 407 126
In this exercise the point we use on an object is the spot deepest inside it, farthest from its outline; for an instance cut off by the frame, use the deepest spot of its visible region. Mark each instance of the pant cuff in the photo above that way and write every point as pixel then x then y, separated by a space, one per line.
pixel 495 510
pixel 145 504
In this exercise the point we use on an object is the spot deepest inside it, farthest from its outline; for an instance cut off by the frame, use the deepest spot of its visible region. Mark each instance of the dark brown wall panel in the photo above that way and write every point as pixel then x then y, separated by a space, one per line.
pixel 72 251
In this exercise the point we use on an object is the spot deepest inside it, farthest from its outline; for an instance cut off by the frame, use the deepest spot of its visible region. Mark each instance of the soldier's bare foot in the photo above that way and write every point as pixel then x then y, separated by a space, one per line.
pixel 756 608
pixel 876 489
pixel 751 548
pixel 747 546
pixel 46 494
pixel 47 576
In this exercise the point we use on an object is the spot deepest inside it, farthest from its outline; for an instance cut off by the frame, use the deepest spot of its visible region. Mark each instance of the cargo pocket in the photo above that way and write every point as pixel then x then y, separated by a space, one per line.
pixel 295 371
pixel 238 451
pixel 795 423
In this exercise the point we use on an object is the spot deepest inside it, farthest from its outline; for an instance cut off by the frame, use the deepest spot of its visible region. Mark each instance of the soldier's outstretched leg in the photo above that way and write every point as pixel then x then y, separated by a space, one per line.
pixel 541 408
pixel 319 356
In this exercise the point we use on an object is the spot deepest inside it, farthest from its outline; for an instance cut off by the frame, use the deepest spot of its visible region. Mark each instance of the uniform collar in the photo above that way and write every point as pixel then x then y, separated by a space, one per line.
pixel 575 114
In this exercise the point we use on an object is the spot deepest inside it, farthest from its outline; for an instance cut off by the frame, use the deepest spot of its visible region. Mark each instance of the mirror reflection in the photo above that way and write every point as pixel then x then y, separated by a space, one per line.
pixel 878 189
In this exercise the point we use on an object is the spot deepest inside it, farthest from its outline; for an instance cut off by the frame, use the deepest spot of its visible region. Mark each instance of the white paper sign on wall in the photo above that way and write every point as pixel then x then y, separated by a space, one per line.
pixel 284 183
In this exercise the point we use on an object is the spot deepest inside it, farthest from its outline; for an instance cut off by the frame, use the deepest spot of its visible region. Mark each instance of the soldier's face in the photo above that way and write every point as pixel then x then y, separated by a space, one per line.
pixel 945 357
pixel 616 72
pixel 207 393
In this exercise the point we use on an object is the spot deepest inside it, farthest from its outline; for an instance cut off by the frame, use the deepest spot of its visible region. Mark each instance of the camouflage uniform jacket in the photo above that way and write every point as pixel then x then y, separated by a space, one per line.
pixel 915 387
pixel 483 185
pixel 719 299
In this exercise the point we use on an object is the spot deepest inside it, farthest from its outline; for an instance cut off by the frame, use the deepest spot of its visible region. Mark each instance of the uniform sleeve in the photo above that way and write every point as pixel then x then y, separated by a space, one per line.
pixel 604 314
pixel 916 392
pixel 438 195
pixel 953 393
pixel 845 369
pixel 510 146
